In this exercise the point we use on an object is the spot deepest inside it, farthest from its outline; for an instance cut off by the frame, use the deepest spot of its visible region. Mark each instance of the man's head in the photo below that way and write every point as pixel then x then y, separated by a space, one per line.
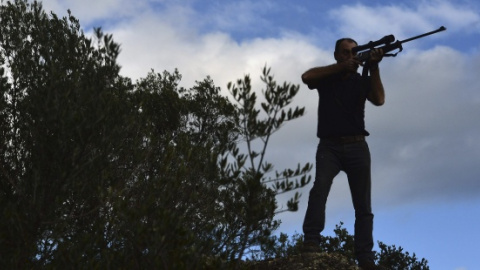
pixel 343 49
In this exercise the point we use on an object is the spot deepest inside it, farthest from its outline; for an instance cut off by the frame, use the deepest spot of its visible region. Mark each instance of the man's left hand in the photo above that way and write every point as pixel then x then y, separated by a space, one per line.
pixel 376 55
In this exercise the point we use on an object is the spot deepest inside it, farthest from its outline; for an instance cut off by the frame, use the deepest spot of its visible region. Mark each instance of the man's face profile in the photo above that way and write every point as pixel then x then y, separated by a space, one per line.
pixel 344 51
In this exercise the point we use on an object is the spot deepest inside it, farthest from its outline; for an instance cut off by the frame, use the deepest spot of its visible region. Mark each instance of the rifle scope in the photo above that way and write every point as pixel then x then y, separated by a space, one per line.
pixel 372 44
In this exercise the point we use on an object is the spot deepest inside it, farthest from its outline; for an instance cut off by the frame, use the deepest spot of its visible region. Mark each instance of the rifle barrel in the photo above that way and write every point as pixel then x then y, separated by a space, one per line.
pixel 442 28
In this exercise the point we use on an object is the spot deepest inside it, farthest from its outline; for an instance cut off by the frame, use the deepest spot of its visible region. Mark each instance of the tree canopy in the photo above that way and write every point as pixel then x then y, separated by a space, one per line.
pixel 99 171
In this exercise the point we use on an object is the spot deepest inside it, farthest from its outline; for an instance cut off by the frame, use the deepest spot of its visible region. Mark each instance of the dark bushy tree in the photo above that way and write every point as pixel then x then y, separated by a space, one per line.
pixel 98 172
pixel 62 130
pixel 397 259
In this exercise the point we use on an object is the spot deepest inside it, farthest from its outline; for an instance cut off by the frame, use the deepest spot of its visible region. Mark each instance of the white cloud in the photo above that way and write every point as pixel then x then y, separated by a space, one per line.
pixel 371 22
pixel 234 15
pixel 426 128
pixel 91 10
pixel 459 17
pixel 150 42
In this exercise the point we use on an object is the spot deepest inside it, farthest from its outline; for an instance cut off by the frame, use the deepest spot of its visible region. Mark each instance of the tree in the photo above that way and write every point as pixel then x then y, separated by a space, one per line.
pixel 99 172
pixel 172 199
pixel 342 242
pixel 256 199
pixel 397 258
pixel 62 132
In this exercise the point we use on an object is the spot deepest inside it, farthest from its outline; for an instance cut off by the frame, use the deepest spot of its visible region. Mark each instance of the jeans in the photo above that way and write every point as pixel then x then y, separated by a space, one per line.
pixel 354 160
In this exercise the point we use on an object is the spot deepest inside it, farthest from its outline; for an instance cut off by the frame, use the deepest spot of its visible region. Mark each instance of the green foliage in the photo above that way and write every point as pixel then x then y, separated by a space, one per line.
pixel 277 112
pixel 281 246
pixel 256 131
pixel 99 172
pixel 342 242
pixel 61 132
pixel 397 259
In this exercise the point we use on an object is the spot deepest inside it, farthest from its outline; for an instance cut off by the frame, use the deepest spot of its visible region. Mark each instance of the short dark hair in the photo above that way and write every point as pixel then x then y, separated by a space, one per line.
pixel 337 44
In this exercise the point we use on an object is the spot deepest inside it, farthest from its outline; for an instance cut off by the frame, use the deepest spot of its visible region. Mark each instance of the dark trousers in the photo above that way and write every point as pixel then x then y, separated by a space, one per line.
pixel 354 160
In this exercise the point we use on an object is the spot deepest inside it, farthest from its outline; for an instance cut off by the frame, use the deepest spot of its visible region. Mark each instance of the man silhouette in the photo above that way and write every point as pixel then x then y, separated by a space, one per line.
pixel 341 129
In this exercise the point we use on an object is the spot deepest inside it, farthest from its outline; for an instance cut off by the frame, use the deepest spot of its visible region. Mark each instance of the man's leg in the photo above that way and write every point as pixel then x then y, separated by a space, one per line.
pixel 327 167
pixel 357 167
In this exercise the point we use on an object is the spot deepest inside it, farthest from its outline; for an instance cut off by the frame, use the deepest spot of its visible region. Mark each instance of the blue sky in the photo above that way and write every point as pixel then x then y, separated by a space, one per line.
pixel 424 141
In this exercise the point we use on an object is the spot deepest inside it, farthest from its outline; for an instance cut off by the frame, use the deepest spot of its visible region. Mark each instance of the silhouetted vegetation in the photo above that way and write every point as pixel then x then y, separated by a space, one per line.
pixel 342 243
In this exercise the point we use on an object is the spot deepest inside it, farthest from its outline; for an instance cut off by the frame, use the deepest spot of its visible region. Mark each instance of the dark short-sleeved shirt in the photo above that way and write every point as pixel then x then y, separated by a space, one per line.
pixel 341 107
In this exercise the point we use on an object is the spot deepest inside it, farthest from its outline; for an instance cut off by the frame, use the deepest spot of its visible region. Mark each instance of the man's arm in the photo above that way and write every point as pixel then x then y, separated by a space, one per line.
pixel 314 75
pixel 376 95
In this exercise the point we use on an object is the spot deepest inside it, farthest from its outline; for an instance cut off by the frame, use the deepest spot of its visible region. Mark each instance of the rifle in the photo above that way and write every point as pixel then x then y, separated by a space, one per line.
pixel 363 51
